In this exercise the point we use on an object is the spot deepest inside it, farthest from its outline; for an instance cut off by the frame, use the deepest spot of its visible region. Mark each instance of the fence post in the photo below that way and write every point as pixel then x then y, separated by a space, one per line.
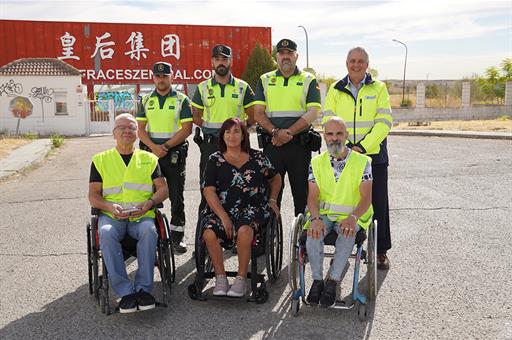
pixel 508 93
pixel 420 96
pixel 466 94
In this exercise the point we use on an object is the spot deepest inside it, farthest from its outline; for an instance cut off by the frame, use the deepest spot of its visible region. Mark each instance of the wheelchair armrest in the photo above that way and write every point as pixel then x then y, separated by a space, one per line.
pixel 96 211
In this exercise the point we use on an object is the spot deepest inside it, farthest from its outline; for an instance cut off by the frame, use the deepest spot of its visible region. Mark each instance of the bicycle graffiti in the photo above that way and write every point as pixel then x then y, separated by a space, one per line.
pixel 11 89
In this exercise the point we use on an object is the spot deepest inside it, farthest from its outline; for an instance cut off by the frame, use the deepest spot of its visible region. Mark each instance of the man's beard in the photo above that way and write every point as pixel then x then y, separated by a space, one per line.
pixel 222 70
pixel 335 149
pixel 286 65
pixel 163 86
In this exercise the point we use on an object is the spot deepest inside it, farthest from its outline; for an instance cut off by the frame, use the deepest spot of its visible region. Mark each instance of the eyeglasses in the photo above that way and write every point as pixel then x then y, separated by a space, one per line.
pixel 126 128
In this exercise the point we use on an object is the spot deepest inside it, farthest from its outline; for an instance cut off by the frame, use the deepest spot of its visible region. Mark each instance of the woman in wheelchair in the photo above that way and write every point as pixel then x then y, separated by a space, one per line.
pixel 126 184
pixel 339 198
pixel 236 186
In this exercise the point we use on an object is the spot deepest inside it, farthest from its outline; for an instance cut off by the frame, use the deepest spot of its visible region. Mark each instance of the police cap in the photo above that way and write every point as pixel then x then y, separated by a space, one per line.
pixel 221 50
pixel 286 44
pixel 162 68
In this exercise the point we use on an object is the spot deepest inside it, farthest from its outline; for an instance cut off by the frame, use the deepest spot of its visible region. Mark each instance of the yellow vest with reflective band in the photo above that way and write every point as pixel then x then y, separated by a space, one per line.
pixel 165 122
pixel 286 101
pixel 362 116
pixel 341 198
pixel 126 185
pixel 216 108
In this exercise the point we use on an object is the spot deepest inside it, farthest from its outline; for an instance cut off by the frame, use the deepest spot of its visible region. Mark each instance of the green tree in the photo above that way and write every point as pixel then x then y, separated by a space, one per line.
pixel 326 80
pixel 506 68
pixel 259 62
pixel 310 70
pixel 432 91
pixel 373 72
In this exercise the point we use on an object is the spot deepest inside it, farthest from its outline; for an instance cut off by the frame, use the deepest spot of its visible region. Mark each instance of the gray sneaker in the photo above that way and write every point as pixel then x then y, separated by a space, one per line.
pixel 238 288
pixel 221 286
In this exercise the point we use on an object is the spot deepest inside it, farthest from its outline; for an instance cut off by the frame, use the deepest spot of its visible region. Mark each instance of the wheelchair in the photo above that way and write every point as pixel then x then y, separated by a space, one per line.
pixel 268 241
pixel 98 280
pixel 298 260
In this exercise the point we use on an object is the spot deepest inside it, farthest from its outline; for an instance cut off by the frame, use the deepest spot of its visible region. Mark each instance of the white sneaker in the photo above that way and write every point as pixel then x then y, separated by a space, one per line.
pixel 238 288
pixel 221 286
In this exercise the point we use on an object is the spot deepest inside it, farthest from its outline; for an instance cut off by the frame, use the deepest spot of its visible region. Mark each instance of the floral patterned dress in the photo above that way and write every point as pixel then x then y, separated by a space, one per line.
pixel 243 192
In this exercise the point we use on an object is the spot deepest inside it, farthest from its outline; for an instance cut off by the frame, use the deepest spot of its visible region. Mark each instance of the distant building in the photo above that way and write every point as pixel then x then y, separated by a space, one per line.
pixel 42 96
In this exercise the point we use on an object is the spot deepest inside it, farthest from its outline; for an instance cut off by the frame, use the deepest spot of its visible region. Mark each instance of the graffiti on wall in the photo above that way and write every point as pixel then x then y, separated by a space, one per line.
pixel 123 101
pixel 42 93
pixel 11 89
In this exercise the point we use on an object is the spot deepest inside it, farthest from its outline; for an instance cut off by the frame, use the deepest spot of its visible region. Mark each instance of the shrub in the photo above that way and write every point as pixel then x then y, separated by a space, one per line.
pixel 57 140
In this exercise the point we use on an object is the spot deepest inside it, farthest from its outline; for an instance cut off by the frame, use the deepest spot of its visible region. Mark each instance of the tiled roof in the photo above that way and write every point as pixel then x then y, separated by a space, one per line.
pixel 38 67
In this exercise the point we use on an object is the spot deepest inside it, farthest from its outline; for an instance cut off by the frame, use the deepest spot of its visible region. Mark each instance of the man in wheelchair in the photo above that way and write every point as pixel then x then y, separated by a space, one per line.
pixel 339 198
pixel 126 184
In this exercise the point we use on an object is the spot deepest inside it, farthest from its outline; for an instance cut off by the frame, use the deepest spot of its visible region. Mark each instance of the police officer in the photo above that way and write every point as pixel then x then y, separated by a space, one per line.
pixel 218 99
pixel 165 121
pixel 363 103
pixel 287 102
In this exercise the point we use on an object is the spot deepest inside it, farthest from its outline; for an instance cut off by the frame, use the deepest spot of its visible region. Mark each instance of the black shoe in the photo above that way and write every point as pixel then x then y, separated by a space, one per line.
pixel 128 303
pixel 146 300
pixel 179 246
pixel 328 298
pixel 315 292
pixel 382 262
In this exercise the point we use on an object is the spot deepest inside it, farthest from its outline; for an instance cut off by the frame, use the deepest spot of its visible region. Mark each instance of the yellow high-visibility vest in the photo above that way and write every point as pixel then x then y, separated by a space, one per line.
pixel 126 185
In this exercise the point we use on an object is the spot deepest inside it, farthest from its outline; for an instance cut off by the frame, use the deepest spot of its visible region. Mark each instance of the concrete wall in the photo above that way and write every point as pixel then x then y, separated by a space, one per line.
pixel 42 94
pixel 467 113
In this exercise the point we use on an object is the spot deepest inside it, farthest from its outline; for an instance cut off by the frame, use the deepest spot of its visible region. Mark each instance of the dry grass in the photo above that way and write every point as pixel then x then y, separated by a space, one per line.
pixel 498 125
pixel 8 144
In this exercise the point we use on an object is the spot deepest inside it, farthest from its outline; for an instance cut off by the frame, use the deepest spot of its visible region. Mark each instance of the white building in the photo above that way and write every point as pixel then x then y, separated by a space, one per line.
pixel 42 96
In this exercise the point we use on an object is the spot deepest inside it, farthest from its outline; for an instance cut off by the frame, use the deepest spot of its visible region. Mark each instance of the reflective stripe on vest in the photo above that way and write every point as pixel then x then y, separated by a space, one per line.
pixel 212 125
pixel 340 198
pixel 126 185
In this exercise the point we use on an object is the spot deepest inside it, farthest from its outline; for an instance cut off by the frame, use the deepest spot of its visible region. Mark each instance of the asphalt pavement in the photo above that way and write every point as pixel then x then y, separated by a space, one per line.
pixel 450 201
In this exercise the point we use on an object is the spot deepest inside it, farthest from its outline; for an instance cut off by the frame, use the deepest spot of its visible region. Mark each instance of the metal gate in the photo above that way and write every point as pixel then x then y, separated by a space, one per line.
pixel 101 114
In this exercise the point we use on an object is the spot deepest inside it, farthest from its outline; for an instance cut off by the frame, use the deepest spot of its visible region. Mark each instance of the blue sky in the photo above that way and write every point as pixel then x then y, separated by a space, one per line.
pixel 445 39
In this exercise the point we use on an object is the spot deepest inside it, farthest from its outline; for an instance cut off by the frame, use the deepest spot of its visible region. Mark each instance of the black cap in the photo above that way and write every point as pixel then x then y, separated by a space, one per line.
pixel 286 44
pixel 222 50
pixel 162 68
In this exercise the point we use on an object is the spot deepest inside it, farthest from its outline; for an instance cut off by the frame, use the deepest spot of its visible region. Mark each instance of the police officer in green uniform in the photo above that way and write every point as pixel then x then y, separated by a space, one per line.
pixel 218 99
pixel 165 121
pixel 287 103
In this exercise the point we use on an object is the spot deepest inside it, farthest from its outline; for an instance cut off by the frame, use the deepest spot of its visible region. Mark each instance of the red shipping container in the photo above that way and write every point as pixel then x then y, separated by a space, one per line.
pixel 122 53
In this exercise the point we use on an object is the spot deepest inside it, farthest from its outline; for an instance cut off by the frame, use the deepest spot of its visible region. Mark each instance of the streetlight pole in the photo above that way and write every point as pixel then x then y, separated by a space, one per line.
pixel 307 50
pixel 405 67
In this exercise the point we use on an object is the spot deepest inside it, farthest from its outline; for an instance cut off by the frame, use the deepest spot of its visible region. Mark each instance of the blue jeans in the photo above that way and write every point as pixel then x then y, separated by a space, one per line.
pixel 112 232
pixel 315 249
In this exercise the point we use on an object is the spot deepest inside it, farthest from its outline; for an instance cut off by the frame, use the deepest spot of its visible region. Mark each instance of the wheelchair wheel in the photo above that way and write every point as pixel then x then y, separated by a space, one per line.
pixel 293 273
pixel 261 295
pixel 192 292
pixel 169 262
pixel 371 261
pixel 274 248
pixel 199 227
pixel 94 257
pixel 89 258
